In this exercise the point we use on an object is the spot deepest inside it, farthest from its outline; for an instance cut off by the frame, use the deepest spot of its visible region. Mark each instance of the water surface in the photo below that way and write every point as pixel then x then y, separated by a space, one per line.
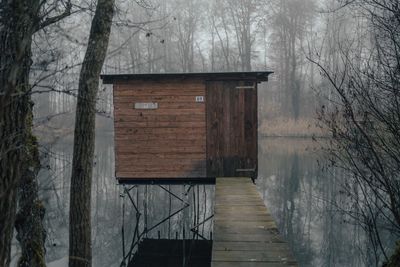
pixel 301 195
pixel 292 182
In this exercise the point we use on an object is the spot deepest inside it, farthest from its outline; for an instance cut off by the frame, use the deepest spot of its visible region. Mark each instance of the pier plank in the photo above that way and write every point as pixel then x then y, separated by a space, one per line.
pixel 245 234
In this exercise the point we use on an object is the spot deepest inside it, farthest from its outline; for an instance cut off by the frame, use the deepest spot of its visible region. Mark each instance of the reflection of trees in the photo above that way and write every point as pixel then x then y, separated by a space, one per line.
pixel 107 206
pixel 291 186
pixel 304 198
pixel 284 194
pixel 295 202
pixel 106 201
pixel 332 236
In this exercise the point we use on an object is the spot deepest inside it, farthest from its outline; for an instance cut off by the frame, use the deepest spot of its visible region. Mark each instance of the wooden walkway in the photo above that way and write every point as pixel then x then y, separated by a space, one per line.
pixel 245 234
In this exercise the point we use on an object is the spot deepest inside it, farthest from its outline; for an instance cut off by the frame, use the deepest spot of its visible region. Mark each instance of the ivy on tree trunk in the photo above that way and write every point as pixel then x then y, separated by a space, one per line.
pixel 17 26
pixel 19 157
pixel 29 220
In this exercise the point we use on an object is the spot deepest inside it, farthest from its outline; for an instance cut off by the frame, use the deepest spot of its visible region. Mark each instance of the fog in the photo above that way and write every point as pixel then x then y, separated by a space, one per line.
pixel 301 41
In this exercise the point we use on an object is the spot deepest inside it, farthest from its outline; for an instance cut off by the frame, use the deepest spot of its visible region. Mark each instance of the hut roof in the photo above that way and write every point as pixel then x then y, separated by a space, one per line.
pixel 258 76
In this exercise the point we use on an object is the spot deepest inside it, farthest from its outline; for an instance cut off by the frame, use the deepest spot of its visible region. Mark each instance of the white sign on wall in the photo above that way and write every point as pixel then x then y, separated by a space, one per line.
pixel 200 99
pixel 149 105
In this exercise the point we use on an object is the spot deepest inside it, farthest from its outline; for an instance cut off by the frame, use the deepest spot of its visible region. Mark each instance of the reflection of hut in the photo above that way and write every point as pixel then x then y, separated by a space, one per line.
pixel 189 125
pixel 167 225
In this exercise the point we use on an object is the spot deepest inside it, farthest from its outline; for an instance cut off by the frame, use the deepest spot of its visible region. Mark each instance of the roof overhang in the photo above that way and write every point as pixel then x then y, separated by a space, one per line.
pixel 258 76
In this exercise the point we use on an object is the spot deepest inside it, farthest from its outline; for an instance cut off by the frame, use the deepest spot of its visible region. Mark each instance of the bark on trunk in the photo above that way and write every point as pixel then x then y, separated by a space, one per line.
pixel 17 25
pixel 394 260
pixel 80 253
pixel 29 220
pixel 19 159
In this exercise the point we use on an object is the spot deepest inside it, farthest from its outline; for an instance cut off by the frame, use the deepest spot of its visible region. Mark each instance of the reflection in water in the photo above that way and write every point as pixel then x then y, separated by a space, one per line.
pixel 153 212
pixel 112 207
pixel 123 216
pixel 301 198
pixel 292 184
pixel 121 219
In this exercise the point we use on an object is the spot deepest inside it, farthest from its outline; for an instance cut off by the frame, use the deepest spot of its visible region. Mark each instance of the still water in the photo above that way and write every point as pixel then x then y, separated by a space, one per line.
pixel 292 182
pixel 300 193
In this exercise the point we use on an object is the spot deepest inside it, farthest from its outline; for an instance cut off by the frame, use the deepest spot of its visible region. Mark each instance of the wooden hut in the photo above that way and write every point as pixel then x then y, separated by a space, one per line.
pixel 185 126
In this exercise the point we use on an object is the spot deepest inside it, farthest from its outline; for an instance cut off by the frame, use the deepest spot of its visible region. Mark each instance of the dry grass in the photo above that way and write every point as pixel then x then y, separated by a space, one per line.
pixel 290 146
pixel 283 127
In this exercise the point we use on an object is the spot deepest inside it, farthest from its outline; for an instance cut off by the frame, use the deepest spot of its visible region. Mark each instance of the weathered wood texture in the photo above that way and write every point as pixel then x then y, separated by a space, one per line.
pixel 245 234
pixel 231 128
pixel 167 142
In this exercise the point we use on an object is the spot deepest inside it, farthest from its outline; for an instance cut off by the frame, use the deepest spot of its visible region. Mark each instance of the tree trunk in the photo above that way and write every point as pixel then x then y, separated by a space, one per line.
pixel 29 221
pixel 80 253
pixel 17 26
pixel 294 83
pixel 395 258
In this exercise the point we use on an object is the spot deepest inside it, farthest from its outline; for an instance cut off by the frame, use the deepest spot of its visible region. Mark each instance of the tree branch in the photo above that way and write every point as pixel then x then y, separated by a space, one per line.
pixel 52 20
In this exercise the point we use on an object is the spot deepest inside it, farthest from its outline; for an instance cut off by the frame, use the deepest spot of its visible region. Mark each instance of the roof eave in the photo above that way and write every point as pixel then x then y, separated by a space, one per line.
pixel 259 76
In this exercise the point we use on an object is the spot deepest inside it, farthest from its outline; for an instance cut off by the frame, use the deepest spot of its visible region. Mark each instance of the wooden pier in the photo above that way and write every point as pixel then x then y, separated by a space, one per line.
pixel 245 234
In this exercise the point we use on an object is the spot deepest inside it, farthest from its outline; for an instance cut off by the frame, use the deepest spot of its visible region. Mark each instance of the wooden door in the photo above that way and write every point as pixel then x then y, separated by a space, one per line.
pixel 231 128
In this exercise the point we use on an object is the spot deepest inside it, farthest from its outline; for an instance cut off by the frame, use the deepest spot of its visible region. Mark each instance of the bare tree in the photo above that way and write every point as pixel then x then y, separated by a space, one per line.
pixel 290 20
pixel 80 253
pixel 19 161
pixel 244 15
pixel 187 23
pixel 364 119
pixel 220 28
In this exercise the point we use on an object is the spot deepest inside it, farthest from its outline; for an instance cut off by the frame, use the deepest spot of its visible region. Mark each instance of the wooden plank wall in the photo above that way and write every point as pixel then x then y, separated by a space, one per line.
pixel 231 128
pixel 168 142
